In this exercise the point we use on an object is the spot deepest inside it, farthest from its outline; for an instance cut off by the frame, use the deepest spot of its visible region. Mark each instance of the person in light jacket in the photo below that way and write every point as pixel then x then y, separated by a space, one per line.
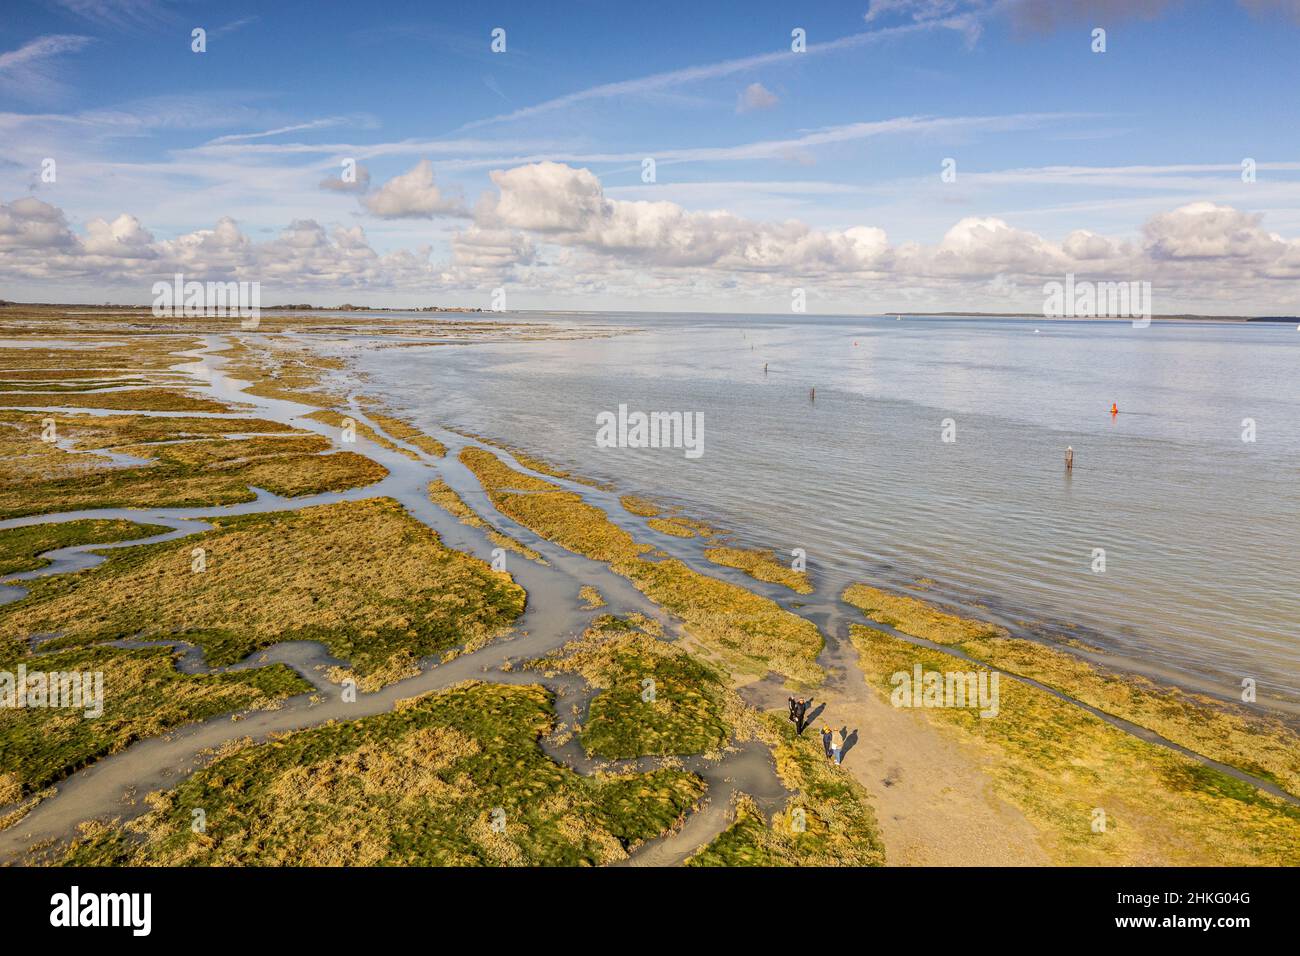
pixel 837 746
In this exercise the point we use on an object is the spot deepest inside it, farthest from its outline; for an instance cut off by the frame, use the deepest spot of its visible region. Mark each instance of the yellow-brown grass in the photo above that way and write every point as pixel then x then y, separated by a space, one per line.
pixel 762 566
pixel 283 370
pixel 144 696
pixel 642 507
pixel 363 577
pixel 445 497
pixel 118 431
pixel 1250 741
pixel 749 633
pixel 405 431
pixel 531 462
pixel 828 822
pixel 452 779
pixel 140 399
pixel 673 526
pixel 112 355
pixel 331 417
pixel 1065 768
pixel 174 485
pixel 916 617
pixel 685 714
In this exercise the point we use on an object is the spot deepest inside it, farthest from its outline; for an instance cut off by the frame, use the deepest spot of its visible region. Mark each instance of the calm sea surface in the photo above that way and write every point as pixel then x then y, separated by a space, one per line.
pixel 1201 530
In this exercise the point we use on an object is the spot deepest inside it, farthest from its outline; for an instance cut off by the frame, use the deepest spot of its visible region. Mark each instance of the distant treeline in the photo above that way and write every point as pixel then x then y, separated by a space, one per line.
pixel 349 307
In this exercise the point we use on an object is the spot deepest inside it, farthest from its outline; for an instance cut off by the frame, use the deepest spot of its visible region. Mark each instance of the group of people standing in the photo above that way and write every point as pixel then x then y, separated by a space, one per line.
pixel 832 740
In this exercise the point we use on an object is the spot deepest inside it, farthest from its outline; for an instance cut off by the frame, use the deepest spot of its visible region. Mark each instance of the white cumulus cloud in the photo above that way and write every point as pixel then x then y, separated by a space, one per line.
pixel 413 195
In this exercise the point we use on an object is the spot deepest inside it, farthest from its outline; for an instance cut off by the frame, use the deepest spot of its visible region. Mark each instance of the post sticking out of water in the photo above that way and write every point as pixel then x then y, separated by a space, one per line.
pixel 764 368
pixel 812 394
pixel 1069 458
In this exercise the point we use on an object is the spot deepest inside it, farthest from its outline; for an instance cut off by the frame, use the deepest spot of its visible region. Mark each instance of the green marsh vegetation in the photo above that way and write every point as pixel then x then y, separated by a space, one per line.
pixel 455 778
pixel 149 358
pixel 829 821
pixel 182 473
pixel 144 695
pixel 21 548
pixel 750 635
pixel 555 514
pixel 379 589
pixel 283 369
pixel 42 477
pixel 323 574
pixel 373 584
pixel 654 698
pixel 112 354
pixel 88 432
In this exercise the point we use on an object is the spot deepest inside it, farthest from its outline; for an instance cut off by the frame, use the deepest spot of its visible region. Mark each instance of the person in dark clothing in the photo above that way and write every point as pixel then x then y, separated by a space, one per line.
pixel 801 715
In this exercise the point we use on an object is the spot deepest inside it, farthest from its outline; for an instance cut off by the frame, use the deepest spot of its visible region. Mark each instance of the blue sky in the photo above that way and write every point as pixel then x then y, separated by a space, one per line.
pixel 774 170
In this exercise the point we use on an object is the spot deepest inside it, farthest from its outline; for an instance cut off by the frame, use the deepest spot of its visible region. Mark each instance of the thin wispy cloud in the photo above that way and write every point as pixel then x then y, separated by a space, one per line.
pixel 1042 16
pixel 232 26
pixel 1146 176
pixel 673 78
pixel 223 147
pixel 29 71
pixel 117 14
pixel 91 130
pixel 325 123
pixel 467 154
pixel 788 148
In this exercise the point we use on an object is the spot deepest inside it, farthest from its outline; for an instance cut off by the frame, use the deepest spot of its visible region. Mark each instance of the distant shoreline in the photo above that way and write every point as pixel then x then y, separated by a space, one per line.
pixel 1036 316
pixel 1099 318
